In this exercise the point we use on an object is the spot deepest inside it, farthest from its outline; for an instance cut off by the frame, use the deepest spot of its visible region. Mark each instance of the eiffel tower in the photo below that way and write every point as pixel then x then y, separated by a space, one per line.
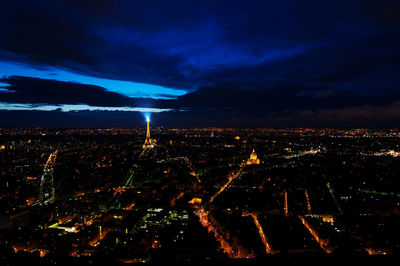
pixel 148 143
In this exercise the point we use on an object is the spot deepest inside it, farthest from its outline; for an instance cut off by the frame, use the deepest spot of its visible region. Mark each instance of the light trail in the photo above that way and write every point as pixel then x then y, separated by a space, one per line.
pixel 99 237
pixel 193 173
pixel 322 242
pixel 333 197
pixel 129 181
pixel 230 179
pixel 174 199
pixel 286 209
pixel 42 252
pixel 381 193
pixel 205 222
pixel 118 190
pixel 47 188
pixel 130 207
pixel 308 202
pixel 235 250
pixel 268 249
pixel 374 251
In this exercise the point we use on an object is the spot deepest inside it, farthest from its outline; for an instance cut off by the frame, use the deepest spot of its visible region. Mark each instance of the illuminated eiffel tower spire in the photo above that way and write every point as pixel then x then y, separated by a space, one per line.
pixel 148 143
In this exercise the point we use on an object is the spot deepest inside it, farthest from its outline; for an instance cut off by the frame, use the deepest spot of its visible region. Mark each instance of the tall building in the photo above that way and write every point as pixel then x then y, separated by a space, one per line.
pixel 148 143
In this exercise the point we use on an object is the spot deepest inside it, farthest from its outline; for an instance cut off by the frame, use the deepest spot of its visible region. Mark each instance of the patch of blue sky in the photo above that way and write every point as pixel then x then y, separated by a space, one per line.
pixel 75 108
pixel 127 88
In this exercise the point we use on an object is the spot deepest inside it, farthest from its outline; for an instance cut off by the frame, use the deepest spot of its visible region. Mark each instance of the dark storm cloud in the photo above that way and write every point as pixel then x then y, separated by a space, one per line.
pixel 49 33
pixel 41 37
pixel 239 61
pixel 42 91
pixel 258 102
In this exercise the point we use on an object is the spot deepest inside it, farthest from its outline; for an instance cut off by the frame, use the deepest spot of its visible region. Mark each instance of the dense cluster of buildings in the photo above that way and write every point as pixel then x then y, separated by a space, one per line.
pixel 121 195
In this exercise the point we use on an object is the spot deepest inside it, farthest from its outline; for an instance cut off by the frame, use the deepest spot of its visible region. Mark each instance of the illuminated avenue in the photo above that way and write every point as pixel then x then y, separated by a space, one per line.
pixel 178 194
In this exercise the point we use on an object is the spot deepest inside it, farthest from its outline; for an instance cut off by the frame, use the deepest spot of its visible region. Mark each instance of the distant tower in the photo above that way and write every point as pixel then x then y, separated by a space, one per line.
pixel 47 188
pixel 253 159
pixel 148 143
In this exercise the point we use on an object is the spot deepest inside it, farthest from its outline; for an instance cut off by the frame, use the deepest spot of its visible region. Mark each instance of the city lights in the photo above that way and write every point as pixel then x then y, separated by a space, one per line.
pixel 102 192
pixel 217 132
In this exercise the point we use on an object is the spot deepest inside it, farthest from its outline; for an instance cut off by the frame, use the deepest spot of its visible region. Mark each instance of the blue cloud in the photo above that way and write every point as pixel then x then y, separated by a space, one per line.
pixel 126 88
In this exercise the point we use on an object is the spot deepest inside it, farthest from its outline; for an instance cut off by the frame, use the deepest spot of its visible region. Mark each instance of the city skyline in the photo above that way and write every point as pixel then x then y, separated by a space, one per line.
pixel 199 131
pixel 199 63
pixel 125 195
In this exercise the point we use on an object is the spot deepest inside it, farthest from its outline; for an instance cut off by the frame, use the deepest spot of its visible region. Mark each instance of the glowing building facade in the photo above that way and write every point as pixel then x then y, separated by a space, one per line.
pixel 253 159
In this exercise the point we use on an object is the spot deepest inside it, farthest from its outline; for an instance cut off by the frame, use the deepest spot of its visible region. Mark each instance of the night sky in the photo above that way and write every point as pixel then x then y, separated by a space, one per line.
pixel 187 63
